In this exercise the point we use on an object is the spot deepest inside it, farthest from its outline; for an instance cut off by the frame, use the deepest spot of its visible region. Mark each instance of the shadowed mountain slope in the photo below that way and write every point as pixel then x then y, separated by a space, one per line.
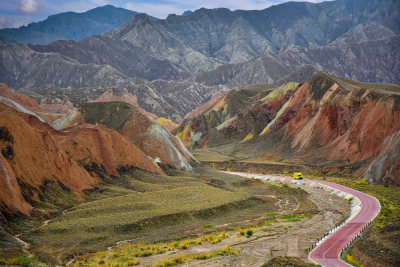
pixel 237 36
pixel 131 60
pixel 70 25
pixel 369 61
pixel 143 32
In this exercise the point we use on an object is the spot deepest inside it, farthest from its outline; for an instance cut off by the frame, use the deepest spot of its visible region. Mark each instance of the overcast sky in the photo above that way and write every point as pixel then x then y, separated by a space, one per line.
pixel 14 13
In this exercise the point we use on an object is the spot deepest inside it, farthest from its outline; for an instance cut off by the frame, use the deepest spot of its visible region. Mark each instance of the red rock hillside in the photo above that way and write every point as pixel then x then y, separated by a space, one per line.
pixel 23 100
pixel 141 130
pixel 33 155
pixel 325 122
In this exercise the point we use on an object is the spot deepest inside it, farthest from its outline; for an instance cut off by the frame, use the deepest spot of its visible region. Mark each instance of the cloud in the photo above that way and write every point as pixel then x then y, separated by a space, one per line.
pixel 11 21
pixel 28 6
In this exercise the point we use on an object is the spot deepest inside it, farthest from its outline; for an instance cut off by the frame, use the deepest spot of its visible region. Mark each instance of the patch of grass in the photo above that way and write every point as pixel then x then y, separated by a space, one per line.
pixel 271 214
pixel 287 261
pixel 223 252
pixel 292 220
pixel 185 259
pixel 353 261
pixel 209 226
pixel 126 252
pixel 93 224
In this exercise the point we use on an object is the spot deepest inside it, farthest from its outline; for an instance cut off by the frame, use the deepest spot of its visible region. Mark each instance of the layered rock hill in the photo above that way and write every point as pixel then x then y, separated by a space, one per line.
pixel 139 129
pixel 70 25
pixel 326 121
pixel 69 160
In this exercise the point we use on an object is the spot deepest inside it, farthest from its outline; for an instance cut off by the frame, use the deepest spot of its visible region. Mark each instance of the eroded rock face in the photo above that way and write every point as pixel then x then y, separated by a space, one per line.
pixel 327 122
pixel 385 169
pixel 23 100
pixel 139 129
pixel 34 155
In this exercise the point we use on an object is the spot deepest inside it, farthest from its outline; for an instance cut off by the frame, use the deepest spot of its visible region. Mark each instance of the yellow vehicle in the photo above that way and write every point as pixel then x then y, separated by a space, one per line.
pixel 297 176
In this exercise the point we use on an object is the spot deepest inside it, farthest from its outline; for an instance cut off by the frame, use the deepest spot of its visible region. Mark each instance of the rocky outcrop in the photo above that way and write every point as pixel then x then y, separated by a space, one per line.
pixel 140 130
pixel 385 169
pixel 242 112
pixel 21 99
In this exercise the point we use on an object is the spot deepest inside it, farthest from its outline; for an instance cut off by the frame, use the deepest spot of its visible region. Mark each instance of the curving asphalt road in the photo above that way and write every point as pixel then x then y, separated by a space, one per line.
pixel 327 252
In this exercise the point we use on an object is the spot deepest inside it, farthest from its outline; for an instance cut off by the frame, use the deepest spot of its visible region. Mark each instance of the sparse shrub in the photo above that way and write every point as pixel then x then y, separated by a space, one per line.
pixel 271 214
pixel 180 260
pixel 132 263
pixel 166 262
pixel 28 260
pixel 249 233
pixel 184 244
pixel 241 232
pixel 203 256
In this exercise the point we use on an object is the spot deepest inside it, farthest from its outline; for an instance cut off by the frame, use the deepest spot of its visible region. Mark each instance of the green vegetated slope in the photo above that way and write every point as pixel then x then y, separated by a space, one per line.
pixel 144 207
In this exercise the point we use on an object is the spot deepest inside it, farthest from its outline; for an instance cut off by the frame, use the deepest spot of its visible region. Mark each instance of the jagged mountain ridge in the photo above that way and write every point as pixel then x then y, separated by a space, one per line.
pixel 142 31
pixel 69 25
pixel 237 36
pixel 131 60
pixel 369 61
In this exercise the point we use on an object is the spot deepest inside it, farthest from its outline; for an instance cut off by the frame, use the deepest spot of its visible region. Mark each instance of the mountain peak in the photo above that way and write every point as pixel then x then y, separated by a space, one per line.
pixel 187 13
pixel 68 25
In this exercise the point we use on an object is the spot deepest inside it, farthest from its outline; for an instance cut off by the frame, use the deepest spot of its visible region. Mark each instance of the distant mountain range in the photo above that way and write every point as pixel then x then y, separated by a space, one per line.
pixel 70 25
pixel 182 61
